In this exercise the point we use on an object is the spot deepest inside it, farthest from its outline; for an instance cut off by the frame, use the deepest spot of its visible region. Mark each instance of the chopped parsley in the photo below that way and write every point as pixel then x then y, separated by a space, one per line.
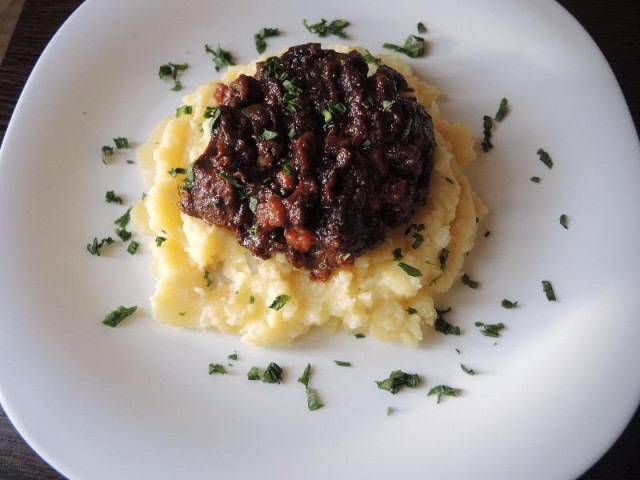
pixel 397 380
pixel 133 247
pixel 487 233
pixel 564 221
pixel 444 390
pixel 111 197
pixel 172 70
pixel 94 247
pixel 418 238
pixel 487 125
pixel 449 180
pixel 387 104
pixel 174 172
pixel 207 277
pixel 397 254
pixel 123 233
pixel 407 129
pixel 503 109
pixel 411 311
pixel 414 46
pixel 367 102
pixel 217 368
pixel 220 58
pixel 123 221
pixel 253 204
pixel 545 158
pixel 359 335
pixel 121 142
pixel 409 270
pixel 279 302
pixel 335 109
pixel 535 179
pixel 467 370
pixel 371 59
pixel 442 326
pixel 509 304
pixel 421 28
pixel 107 151
pixel 252 300
pixel 229 179
pixel 389 411
pixel 548 290
pixel 312 400
pixel 114 318
pixel 444 255
pixel 272 374
pixel 184 110
pixel 466 279
pixel 254 373
pixel 340 363
pixel 160 240
pixel 263 33
pixel 323 28
pixel 233 356
pixel 268 135
pixel 490 330
pixel 286 168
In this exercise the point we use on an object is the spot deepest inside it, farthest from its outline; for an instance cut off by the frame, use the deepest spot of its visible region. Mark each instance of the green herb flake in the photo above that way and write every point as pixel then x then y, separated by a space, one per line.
pixel 331 110
pixel 172 70
pixel 444 255
pixel 487 233
pixel 466 279
pixel 233 356
pixel 160 240
pixel 207 277
pixel 279 302
pixel 340 363
pixel 535 179
pixel 548 290
pixel 503 109
pixel 414 46
pixel 94 247
pixel 114 318
pixel 407 129
pixel 253 373
pixel 389 411
pixel 371 59
pixel 312 400
pixel 123 233
pixel 564 221
pixel 398 380
pixel 253 204
pixel 545 158
pixel 421 28
pixel 492 330
pixel 107 151
pixel 252 300
pixel 409 270
pixel 397 254
pixel 286 168
pixel 184 110
pixel 411 311
pixel 217 368
pixel 273 373
pixel 111 197
pixel 367 102
pixel 133 247
pixel 268 135
pixel 229 179
pixel 509 304
pixel 387 104
pixel 174 172
pixel 359 335
pixel 449 180
pixel 458 351
pixel 444 390
pixel 442 326
pixel 220 58
pixel 487 124
pixel 324 28
pixel 263 33
pixel 182 314
pixel 123 221
pixel 418 238
pixel 467 370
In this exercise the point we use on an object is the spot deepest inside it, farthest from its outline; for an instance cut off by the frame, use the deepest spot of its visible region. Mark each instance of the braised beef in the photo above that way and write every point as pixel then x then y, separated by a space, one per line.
pixel 312 157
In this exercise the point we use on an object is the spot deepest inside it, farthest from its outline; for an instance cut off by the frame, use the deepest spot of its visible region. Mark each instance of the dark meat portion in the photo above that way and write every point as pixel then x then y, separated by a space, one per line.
pixel 313 158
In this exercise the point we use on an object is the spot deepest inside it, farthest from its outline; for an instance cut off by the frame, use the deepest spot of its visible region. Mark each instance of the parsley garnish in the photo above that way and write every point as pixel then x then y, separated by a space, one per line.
pixel 564 221
pixel 490 330
pixel 487 233
pixel 254 374
pixel 468 371
pixel 133 247
pixel 331 110
pixel 407 129
pixel 444 390
pixel 387 104
pixel 111 197
pixel 322 28
pixel 121 142
pixel 413 47
pixel 174 172
pixel 417 239
pixel 312 400
pixel 503 109
pixel 340 363
pixel 268 135
pixel 279 302
pixel 548 290
pixel 397 254
pixel 107 151
pixel 442 326
pixel 545 158
pixel 371 59
pixel 217 368
pixel 466 279
pixel 367 102
pixel 160 241
pixel 444 255
pixel 221 58
pixel 252 300
pixel 411 311
pixel 114 318
pixel 123 221
pixel 409 270
pixel 487 125
pixel 421 28
pixel 184 110
pixel 259 37
pixel 123 233
pixel 95 246
pixel 509 304
pixel 172 70
pixel 397 380
pixel 253 204
pixel 207 277
pixel 359 335
pixel 389 411
pixel 272 374
pixel 233 356
pixel 229 179
pixel 535 179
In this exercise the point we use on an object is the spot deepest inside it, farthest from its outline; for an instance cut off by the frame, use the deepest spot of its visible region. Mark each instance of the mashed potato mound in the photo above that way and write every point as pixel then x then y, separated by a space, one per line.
pixel 206 279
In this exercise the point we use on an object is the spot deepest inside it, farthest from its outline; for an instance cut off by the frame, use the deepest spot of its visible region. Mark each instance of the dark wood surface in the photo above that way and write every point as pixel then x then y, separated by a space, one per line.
pixel 614 25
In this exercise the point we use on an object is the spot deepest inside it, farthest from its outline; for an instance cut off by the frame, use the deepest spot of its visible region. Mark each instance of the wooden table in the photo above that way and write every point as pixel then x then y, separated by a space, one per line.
pixel 615 26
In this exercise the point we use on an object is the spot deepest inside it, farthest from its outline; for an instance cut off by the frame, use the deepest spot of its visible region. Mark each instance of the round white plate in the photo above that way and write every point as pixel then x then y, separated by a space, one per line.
pixel 136 401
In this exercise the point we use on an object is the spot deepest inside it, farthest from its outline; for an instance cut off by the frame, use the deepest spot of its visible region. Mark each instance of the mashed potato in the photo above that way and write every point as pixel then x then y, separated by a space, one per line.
pixel 207 280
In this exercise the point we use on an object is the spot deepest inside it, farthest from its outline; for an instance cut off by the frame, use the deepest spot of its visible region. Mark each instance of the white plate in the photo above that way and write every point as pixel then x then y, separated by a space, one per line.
pixel 136 401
